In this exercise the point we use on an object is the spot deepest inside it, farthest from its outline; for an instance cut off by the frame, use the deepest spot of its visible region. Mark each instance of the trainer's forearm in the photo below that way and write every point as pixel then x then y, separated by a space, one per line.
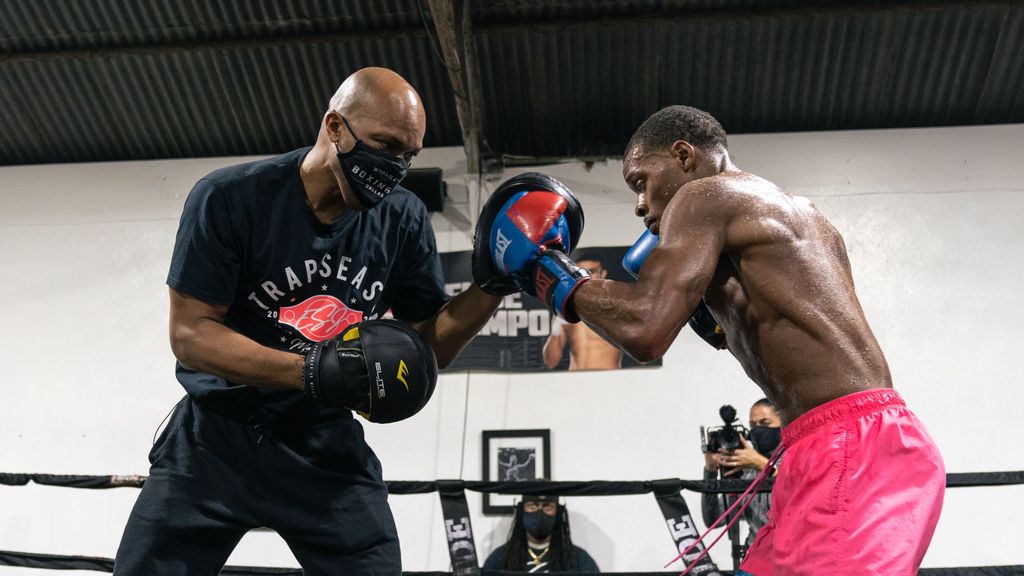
pixel 458 322
pixel 214 348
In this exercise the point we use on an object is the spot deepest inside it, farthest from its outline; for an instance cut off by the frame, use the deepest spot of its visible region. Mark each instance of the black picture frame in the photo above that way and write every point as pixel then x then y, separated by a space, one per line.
pixel 502 447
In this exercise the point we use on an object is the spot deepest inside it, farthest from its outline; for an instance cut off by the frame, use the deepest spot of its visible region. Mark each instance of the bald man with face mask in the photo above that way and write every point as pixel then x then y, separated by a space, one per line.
pixel 278 264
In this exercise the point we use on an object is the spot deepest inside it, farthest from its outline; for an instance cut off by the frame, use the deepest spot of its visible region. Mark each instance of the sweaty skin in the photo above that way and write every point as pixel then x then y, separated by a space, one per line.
pixel 771 268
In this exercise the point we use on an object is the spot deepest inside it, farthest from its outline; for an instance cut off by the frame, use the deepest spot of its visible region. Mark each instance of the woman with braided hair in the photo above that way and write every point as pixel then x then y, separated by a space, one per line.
pixel 539 541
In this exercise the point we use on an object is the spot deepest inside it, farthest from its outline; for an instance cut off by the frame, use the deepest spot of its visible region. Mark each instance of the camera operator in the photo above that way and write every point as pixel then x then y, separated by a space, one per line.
pixel 745 463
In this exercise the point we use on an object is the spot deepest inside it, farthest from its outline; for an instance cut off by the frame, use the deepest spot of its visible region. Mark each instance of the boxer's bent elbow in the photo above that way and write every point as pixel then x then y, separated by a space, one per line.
pixel 645 354
pixel 643 346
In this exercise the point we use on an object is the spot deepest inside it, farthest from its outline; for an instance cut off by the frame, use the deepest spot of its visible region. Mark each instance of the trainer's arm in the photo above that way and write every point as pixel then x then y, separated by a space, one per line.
pixel 457 322
pixel 644 317
pixel 201 341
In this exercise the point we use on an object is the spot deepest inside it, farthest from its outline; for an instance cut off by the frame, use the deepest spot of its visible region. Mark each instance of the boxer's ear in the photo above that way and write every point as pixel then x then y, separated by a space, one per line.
pixel 683 152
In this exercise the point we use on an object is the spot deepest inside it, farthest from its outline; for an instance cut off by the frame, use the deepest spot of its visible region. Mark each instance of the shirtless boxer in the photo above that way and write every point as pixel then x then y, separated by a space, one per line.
pixel 860 488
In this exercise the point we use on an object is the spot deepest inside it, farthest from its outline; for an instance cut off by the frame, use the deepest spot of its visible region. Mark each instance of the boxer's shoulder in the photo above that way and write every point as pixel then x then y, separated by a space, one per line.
pixel 719 199
pixel 747 209
pixel 746 190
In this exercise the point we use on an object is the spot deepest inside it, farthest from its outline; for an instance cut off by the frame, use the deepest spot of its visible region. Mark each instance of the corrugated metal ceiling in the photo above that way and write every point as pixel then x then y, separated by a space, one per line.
pixel 582 88
pixel 116 79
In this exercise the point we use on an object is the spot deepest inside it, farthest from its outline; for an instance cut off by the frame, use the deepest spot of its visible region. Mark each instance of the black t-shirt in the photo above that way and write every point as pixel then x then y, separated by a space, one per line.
pixel 248 239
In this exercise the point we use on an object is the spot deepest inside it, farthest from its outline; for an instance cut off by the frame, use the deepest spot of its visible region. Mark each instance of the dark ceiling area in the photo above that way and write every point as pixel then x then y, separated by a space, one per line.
pixel 514 81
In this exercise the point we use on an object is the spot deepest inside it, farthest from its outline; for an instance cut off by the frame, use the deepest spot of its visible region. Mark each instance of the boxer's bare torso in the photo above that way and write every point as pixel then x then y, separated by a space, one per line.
pixel 784 293
pixel 771 268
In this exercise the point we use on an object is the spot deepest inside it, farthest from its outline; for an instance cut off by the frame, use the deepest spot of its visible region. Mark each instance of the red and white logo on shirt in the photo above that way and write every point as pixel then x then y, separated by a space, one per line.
pixel 319 317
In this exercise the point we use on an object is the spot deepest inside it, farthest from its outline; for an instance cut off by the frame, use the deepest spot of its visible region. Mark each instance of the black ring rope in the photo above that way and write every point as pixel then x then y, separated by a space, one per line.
pixel 545 487
pixel 96 564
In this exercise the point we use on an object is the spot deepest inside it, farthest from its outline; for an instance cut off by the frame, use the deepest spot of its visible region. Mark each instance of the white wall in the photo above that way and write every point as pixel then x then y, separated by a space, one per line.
pixel 931 219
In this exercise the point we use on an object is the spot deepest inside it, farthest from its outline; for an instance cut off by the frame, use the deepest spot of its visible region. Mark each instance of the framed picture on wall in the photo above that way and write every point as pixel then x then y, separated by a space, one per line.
pixel 511 456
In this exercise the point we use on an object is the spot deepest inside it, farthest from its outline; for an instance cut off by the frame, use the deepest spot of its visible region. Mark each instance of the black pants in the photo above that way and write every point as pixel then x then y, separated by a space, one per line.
pixel 212 479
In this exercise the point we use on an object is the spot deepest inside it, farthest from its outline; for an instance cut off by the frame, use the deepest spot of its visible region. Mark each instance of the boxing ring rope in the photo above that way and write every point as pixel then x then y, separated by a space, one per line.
pixel 523 487
pixel 462 548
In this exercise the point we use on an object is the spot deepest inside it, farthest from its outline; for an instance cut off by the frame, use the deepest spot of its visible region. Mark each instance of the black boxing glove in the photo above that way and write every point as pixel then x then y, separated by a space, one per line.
pixel 705 325
pixel 701 321
pixel 381 369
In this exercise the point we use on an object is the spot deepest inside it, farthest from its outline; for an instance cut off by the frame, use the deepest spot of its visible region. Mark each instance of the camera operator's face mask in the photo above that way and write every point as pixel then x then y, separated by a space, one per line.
pixel 765 439
pixel 371 174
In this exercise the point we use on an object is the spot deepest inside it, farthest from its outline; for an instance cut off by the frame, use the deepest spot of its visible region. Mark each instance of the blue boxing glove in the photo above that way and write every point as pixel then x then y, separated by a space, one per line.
pixel 526 214
pixel 638 253
pixel 701 321
pixel 529 222
pixel 555 281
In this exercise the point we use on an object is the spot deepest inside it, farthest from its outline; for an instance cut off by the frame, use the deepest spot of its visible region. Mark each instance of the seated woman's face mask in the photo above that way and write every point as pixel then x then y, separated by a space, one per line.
pixel 538 524
pixel 371 174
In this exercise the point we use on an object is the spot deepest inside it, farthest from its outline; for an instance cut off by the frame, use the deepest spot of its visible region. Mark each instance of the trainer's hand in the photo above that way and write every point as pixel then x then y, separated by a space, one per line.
pixel 555 280
pixel 745 458
pixel 381 369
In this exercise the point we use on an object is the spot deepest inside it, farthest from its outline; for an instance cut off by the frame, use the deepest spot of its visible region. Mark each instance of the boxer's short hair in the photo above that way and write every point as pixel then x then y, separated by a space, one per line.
pixel 678 122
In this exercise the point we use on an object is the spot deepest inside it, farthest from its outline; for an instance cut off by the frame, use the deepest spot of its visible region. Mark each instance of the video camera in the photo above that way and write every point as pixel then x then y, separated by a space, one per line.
pixel 726 437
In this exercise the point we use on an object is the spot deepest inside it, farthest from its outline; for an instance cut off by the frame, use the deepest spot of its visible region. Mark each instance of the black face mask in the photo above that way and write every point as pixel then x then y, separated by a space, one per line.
pixel 371 174
pixel 765 439
pixel 538 524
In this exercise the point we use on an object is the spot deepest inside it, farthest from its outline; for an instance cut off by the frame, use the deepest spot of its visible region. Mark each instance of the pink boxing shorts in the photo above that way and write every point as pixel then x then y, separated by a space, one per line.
pixel 858 492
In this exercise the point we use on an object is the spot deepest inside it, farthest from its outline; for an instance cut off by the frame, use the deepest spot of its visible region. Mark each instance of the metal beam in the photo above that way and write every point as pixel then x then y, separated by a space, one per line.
pixel 455 33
